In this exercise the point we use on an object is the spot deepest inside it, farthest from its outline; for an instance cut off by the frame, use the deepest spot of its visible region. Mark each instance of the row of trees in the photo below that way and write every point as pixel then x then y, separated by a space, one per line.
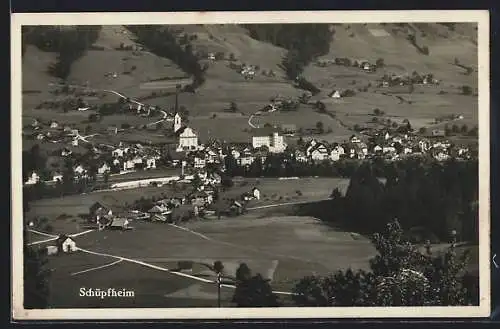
pixel 162 41
pixel 69 42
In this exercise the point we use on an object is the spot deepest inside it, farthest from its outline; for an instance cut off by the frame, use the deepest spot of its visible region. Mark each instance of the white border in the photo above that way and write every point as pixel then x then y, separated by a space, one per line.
pixel 478 16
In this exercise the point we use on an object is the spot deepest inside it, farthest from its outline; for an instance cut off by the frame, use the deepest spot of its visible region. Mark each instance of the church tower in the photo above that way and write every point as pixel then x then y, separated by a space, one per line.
pixel 177 122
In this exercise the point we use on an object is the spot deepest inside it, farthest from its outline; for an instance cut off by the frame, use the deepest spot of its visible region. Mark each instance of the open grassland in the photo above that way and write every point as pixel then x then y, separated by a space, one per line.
pixel 281 248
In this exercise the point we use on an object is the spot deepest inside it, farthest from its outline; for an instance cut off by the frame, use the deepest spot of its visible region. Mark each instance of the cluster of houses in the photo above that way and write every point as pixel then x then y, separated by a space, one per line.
pixel 391 147
pixel 362 64
pixel 404 80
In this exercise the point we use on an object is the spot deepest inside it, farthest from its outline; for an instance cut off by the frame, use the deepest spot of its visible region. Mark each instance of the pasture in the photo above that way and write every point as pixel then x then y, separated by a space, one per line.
pixel 284 249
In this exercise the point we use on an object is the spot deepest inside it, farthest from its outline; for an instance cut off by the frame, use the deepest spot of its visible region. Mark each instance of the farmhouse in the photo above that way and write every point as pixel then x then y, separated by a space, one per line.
pixel 336 153
pixel 54 125
pixel 270 138
pixel 318 152
pixel 33 179
pixel 335 94
pixel 119 224
pixel 66 244
pixel 104 168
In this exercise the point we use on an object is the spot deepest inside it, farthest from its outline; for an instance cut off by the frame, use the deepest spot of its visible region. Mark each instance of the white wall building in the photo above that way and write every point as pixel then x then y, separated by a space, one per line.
pixel 188 140
pixel 269 138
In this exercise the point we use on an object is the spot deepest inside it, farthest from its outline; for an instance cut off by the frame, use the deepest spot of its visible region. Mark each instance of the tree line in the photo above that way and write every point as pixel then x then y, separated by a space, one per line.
pixel 162 41
pixel 432 201
pixel 69 42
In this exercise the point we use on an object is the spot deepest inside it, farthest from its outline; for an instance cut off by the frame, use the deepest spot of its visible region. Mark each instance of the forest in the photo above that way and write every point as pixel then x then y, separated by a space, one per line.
pixel 69 42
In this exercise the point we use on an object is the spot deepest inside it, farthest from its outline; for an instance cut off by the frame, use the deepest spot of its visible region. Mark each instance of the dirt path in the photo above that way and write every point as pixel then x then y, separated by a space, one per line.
pixel 98 267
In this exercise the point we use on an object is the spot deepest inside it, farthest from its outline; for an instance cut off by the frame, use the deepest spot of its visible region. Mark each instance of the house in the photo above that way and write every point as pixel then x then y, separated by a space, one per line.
pixel 104 168
pixel 336 153
pixel 119 223
pixel 377 149
pixel 335 94
pixel 66 152
pixel 437 133
pixel 99 210
pixel 150 163
pixel 388 149
pixel 51 250
pixel 300 156
pixel 112 130
pixel 199 161
pixel 57 177
pixel 35 123
pixel 354 139
pixel 211 56
pixel 188 140
pixel 40 136
pixel 66 244
pixel 270 138
pixel 104 221
pixel 33 179
pixel 246 159
pixel 117 153
pixel 79 170
pixel 256 193
pixel 74 142
pixel 160 209
pixel 54 125
pixel 201 198
pixel 319 152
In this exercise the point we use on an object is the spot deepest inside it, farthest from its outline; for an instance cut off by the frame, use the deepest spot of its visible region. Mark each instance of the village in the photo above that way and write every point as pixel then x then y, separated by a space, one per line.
pixel 192 147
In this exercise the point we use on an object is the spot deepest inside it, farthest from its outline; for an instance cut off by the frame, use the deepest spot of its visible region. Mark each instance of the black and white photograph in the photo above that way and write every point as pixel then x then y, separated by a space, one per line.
pixel 250 165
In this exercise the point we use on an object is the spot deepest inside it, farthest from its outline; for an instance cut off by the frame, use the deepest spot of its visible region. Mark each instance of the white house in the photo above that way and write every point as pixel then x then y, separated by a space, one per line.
pixel 66 244
pixel 246 159
pixel 336 153
pixel 388 149
pixel 199 162
pixel 74 142
pixel 407 150
pixel 151 163
pixel 66 152
pixel 320 152
pixel 355 139
pixel 117 153
pixel 103 169
pixel 256 193
pixel 79 170
pixel 300 156
pixel 57 177
pixel 269 138
pixel 51 250
pixel 387 136
pixel 188 140
pixel 377 149
pixel 33 179
pixel 336 94
pixel 54 124
pixel 116 162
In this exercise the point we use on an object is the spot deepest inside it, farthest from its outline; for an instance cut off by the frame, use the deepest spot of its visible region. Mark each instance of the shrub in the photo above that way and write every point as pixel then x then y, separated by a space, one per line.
pixel 466 90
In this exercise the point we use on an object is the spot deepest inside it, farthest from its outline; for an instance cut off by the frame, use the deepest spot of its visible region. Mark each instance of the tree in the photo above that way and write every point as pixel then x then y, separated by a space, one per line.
pixel 233 107
pixel 466 90
pixel 377 112
pixel 232 58
pixel 196 182
pixel 243 273
pixel 320 127
pixel 400 275
pixel 380 62
pixel 254 292
pixel 218 267
pixel 36 277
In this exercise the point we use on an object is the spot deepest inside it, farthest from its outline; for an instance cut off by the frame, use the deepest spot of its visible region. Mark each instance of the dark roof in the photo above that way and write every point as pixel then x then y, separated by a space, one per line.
pixel 62 238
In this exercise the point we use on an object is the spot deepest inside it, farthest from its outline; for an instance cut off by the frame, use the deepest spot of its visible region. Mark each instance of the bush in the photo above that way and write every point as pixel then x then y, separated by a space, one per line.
pixel 380 62
pixel 466 90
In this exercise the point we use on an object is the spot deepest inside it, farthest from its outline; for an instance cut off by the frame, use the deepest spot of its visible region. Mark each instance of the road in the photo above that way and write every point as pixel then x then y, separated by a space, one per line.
pixel 135 261
pixel 114 92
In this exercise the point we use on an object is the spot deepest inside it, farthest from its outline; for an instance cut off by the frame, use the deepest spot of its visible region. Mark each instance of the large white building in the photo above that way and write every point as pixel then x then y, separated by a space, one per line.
pixel 188 140
pixel 270 138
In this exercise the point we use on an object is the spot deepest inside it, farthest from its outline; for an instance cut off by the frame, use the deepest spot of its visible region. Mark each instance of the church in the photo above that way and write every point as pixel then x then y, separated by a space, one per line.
pixel 188 138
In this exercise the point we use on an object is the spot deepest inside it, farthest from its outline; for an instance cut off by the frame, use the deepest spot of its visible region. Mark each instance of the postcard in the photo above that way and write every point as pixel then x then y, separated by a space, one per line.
pixel 250 165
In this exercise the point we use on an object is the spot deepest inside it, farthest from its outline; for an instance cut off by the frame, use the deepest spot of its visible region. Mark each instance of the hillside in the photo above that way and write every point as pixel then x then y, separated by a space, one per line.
pixel 136 71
